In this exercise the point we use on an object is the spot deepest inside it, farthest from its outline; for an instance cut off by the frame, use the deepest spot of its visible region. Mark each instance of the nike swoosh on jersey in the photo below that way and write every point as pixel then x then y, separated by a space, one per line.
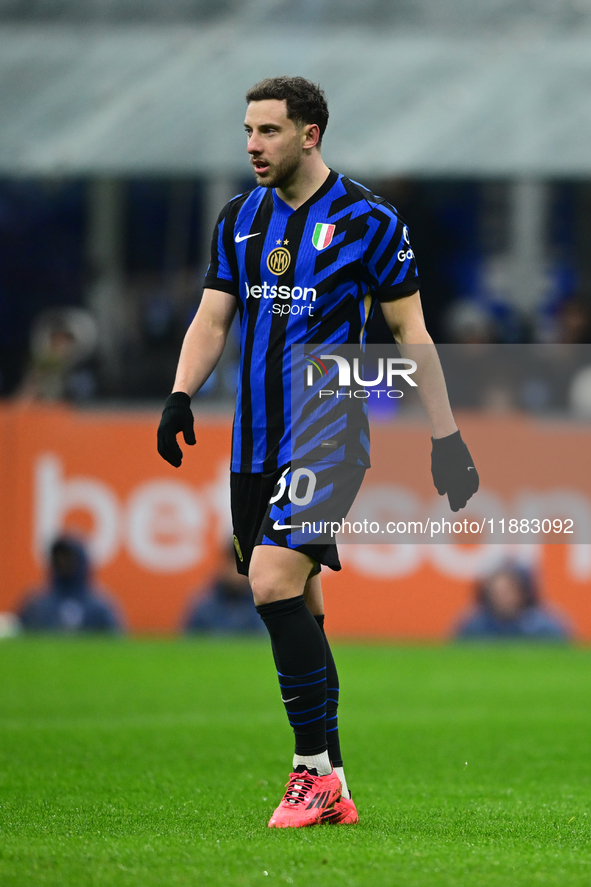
pixel 278 526
pixel 289 700
pixel 239 239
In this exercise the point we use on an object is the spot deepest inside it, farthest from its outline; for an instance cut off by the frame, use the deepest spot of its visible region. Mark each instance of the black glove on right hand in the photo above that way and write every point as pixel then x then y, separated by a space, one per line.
pixel 176 416
pixel 453 470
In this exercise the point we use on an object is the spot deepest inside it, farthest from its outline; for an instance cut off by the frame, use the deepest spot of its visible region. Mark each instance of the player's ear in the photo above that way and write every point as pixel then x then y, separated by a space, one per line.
pixel 311 136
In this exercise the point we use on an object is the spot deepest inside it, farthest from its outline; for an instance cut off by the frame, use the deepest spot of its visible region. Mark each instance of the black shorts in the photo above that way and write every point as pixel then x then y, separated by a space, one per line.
pixel 265 508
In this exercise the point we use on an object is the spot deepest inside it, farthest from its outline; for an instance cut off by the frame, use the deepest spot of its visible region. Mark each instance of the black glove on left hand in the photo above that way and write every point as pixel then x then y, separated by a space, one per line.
pixel 176 417
pixel 453 470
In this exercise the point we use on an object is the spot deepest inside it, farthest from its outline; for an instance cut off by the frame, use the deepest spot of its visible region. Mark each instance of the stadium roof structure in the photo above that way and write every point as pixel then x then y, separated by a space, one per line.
pixel 137 100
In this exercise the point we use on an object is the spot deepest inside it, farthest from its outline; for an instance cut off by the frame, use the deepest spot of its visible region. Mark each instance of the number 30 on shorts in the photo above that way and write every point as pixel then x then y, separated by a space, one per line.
pixel 299 475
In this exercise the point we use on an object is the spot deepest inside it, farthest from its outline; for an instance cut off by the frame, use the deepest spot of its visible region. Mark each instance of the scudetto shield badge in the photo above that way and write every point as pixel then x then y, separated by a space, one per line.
pixel 323 234
pixel 278 260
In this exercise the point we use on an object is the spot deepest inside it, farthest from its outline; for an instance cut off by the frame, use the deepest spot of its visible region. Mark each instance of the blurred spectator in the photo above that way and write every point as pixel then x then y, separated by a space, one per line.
pixel 546 374
pixel 469 322
pixel 580 394
pixel 508 606
pixel 61 341
pixel 570 361
pixel 226 605
pixel 573 322
pixel 68 602
pixel 477 377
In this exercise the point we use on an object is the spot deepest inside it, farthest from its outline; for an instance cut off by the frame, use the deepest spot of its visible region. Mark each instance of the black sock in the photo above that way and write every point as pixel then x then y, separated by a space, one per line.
pixel 300 657
pixel 332 702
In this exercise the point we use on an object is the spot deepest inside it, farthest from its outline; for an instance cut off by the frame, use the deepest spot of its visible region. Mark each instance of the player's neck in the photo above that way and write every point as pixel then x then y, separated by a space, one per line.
pixel 311 175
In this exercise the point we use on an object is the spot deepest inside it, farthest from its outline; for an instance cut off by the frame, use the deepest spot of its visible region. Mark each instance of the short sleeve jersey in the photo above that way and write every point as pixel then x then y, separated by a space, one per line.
pixel 310 275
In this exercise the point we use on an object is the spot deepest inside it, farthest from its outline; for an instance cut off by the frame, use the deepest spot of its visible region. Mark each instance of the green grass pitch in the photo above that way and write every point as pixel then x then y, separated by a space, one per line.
pixel 158 762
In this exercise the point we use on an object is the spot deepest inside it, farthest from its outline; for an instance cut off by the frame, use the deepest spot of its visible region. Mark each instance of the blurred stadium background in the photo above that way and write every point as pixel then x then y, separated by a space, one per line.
pixel 122 139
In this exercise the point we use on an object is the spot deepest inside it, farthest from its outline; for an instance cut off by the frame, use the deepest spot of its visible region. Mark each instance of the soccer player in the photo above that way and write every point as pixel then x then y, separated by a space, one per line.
pixel 303 259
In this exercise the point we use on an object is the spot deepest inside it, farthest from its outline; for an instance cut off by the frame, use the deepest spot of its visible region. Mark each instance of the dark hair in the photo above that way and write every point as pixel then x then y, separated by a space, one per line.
pixel 306 102
pixel 523 578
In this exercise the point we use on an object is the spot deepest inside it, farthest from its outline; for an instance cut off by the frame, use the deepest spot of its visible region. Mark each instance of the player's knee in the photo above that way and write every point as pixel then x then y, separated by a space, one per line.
pixel 267 589
pixel 263 591
pixel 277 573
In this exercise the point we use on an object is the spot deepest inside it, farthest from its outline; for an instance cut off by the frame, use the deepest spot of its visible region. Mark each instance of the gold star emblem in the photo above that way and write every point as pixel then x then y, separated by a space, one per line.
pixel 278 242
pixel 285 242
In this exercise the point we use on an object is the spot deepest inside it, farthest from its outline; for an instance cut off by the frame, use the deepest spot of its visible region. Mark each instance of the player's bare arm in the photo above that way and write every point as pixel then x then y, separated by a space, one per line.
pixel 204 341
pixel 452 467
pixel 405 319
pixel 202 348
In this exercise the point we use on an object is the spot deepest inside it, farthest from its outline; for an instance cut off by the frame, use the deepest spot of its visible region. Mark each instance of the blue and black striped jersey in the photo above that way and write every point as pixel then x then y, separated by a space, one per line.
pixel 310 275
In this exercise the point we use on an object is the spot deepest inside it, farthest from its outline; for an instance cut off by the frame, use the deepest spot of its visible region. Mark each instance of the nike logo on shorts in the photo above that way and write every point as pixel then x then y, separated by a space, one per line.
pixel 289 700
pixel 239 239
pixel 278 526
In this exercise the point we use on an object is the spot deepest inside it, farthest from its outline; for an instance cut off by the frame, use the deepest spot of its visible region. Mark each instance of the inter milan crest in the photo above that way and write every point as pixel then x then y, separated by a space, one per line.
pixel 278 260
pixel 323 234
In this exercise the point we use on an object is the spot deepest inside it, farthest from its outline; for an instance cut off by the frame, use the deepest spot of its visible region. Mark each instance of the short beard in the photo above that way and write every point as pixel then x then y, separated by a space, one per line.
pixel 283 173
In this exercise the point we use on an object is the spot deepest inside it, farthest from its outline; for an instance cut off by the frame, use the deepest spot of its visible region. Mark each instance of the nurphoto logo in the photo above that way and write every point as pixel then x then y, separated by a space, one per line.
pixel 388 369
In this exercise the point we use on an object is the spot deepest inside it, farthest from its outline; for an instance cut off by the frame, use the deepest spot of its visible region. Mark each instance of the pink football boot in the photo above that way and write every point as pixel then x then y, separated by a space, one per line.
pixel 343 812
pixel 307 797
